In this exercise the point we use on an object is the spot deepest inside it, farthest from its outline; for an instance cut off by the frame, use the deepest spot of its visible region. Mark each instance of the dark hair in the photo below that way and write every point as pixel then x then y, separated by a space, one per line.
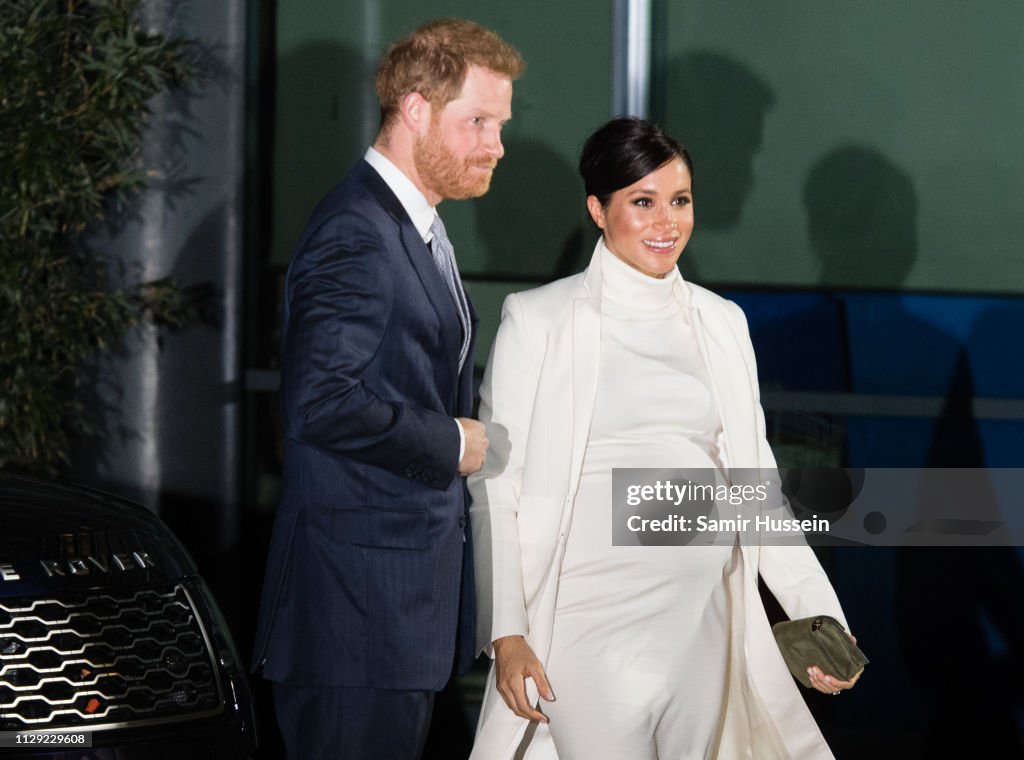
pixel 625 150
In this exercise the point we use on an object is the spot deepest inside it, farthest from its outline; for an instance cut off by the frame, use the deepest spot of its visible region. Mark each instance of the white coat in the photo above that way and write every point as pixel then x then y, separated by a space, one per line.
pixel 537 401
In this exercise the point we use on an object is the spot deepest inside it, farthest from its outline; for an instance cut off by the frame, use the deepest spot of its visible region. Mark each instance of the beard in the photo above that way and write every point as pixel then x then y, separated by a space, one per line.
pixel 448 175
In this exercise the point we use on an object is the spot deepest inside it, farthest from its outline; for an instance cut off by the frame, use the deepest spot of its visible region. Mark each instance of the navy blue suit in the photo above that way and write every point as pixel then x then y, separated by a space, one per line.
pixel 370 545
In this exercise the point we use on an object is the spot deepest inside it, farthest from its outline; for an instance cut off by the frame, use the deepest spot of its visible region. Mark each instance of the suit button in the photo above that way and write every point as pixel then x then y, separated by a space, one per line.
pixel 462 521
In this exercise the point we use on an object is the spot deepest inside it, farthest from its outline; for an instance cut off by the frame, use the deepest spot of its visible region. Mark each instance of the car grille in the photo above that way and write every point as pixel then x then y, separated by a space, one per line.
pixel 115 657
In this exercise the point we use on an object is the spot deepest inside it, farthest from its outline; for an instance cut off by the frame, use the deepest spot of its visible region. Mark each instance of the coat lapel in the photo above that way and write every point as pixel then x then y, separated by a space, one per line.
pixel 723 357
pixel 586 355
pixel 586 358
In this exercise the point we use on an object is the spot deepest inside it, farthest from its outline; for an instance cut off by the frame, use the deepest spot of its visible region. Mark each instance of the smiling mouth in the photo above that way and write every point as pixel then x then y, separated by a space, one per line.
pixel 662 246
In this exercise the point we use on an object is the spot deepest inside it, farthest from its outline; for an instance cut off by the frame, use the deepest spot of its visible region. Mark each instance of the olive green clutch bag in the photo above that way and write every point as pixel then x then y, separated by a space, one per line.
pixel 818 641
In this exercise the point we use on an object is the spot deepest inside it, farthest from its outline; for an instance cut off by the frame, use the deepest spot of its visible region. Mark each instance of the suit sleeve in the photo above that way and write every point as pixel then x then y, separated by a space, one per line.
pixel 340 297
pixel 792 572
pixel 506 408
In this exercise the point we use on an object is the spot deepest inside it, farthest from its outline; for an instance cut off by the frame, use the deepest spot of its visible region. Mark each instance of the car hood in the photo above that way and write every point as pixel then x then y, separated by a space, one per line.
pixel 57 537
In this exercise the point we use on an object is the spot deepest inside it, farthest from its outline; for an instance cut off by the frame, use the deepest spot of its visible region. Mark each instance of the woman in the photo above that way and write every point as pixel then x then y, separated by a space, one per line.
pixel 629 652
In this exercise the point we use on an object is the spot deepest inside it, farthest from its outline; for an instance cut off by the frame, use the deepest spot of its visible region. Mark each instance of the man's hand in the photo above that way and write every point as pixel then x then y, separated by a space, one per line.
pixel 514 663
pixel 476 446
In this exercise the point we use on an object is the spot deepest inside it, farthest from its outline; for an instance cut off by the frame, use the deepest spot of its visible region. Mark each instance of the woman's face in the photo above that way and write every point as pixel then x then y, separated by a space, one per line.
pixel 648 223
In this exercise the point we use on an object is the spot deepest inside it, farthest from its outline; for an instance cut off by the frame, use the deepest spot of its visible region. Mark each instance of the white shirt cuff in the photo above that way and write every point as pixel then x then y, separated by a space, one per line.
pixel 462 442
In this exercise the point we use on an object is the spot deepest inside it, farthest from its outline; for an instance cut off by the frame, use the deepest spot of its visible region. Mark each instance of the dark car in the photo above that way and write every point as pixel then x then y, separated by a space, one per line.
pixel 107 627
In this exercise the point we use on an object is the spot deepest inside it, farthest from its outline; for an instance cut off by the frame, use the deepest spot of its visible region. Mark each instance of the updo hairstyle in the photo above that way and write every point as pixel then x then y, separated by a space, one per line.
pixel 625 150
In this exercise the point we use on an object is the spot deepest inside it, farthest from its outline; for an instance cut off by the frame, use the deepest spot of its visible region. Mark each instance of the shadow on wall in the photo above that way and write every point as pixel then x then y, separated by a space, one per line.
pixel 532 220
pixel 862 223
pixel 716 106
pixel 861 218
pixel 318 131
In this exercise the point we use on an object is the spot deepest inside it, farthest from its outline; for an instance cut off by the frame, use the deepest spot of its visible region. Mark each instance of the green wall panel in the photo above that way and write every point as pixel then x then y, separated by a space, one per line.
pixel 852 143
pixel 324 115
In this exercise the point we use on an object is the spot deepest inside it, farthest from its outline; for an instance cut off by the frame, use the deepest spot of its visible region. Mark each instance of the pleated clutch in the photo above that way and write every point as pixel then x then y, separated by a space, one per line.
pixel 820 641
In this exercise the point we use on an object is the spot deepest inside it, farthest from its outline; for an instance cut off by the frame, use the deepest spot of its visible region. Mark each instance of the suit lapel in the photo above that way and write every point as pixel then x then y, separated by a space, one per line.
pixel 422 262
pixel 437 292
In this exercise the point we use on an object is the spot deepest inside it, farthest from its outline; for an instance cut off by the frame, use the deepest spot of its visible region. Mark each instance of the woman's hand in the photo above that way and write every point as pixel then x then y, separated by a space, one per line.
pixel 515 662
pixel 828 684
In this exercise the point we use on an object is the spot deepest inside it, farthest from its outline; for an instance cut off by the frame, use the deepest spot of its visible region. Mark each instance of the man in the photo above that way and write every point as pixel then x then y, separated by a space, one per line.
pixel 361 600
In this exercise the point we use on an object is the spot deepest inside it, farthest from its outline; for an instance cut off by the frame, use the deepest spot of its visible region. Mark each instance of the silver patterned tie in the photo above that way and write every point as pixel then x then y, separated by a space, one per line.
pixel 444 257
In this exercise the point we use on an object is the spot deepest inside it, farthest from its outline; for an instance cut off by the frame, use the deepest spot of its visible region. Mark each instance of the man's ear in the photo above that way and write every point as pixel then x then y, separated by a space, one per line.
pixel 596 210
pixel 416 113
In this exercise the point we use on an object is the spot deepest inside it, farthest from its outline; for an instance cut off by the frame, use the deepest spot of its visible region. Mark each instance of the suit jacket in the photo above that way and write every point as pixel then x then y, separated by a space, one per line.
pixel 537 400
pixel 367 556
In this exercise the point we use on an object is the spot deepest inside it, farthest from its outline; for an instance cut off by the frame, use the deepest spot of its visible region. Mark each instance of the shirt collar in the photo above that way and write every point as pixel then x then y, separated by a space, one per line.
pixel 412 200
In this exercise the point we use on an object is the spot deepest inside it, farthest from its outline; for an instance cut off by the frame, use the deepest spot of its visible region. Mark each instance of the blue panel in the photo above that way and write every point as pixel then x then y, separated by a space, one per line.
pixel 798 339
pixel 897 349
pixel 948 346
pixel 997 348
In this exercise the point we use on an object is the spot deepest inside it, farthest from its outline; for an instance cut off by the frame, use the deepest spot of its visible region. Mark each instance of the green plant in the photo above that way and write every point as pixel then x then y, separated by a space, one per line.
pixel 75 80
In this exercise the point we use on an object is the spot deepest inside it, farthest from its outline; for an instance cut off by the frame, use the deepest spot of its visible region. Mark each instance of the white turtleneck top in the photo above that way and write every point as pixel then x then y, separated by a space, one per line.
pixel 654 401
pixel 640 641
